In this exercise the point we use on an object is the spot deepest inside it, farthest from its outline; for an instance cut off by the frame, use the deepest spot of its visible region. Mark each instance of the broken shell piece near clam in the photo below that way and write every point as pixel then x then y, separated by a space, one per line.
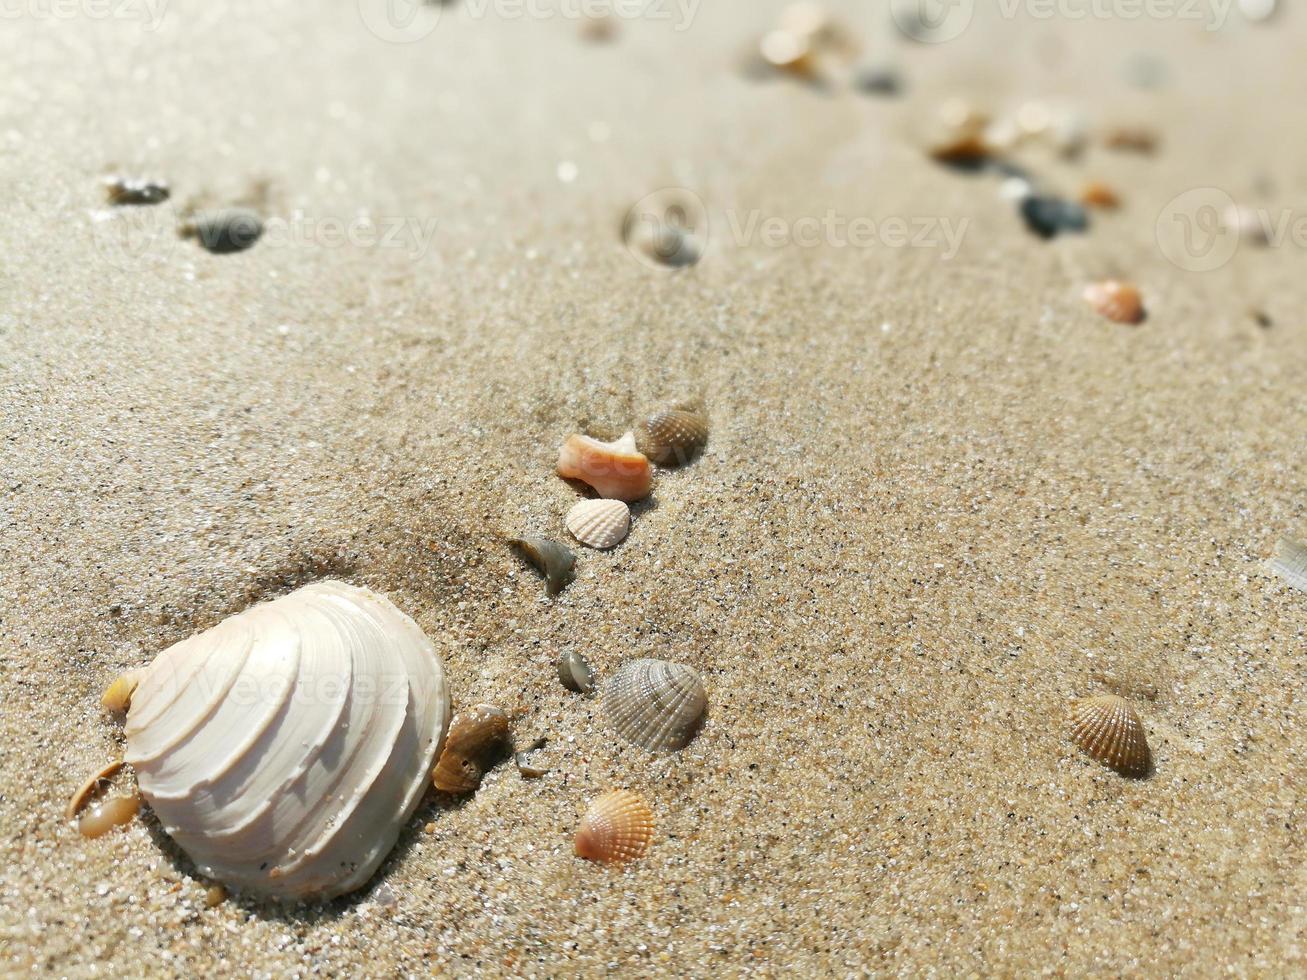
pixel 1118 301
pixel 105 816
pixel 522 760
pixel 478 738
pixel 90 788
pixel 118 695
pixel 1109 729
pixel 553 560
pixel 616 470
pixel 575 673
pixel 284 748
pixel 673 436
pixel 599 523
pixel 655 704
pixel 619 826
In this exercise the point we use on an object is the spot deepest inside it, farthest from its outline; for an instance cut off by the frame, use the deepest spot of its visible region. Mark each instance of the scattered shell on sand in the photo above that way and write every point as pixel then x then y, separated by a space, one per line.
pixel 575 672
pixel 1290 563
pixel 673 436
pixel 655 704
pixel 522 760
pixel 551 559
pixel 478 738
pixel 599 523
pixel 1097 194
pixel 1248 223
pixel 1132 139
pixel 1109 729
pixel 225 231
pixel 284 748
pixel 134 190
pixel 616 470
pixel 214 896
pixel 1048 215
pixel 104 817
pixel 1119 301
pixel 118 695
pixel 619 826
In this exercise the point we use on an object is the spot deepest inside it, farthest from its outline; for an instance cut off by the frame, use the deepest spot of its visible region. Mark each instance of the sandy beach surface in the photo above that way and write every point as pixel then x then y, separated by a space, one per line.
pixel 942 497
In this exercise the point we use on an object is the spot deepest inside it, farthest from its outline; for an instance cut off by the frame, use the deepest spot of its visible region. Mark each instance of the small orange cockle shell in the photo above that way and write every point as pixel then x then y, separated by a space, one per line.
pixel 619 826
pixel 616 470
pixel 1097 194
pixel 1119 301
pixel 1109 729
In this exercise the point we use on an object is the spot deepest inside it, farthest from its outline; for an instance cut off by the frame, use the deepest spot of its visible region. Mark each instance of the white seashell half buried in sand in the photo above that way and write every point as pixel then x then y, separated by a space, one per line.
pixel 599 523
pixel 284 748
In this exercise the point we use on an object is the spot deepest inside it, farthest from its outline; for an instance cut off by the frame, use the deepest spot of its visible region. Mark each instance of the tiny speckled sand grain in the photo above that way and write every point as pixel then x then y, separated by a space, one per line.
pixel 941 498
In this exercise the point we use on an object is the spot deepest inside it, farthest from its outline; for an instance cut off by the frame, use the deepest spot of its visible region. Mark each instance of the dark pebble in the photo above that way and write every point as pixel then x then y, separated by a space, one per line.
pixel 1048 216
pixel 223 232
pixel 879 81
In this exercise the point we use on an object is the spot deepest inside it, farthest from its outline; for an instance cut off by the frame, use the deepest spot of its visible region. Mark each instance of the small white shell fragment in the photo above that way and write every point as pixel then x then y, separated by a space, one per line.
pixel 599 523
pixel 284 748
pixel 1290 563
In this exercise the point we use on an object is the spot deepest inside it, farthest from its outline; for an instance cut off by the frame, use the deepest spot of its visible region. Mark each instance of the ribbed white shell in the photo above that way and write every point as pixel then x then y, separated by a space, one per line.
pixel 1290 563
pixel 599 523
pixel 284 748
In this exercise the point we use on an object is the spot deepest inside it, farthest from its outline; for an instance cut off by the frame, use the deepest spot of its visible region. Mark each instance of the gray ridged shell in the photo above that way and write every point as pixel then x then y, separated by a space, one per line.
pixel 674 436
pixel 655 704
pixel 1109 729
pixel 553 560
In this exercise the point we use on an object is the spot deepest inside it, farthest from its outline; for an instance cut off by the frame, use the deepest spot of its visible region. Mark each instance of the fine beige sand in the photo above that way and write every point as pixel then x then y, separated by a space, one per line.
pixel 942 497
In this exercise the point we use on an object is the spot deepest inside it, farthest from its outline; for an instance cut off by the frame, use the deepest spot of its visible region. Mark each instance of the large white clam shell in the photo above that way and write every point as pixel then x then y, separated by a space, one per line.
pixel 284 748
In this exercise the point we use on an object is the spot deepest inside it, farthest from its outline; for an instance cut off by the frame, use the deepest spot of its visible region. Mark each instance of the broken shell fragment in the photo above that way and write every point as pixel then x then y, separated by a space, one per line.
pixel 522 760
pixel 104 817
pixel 89 788
pixel 616 470
pixel 134 190
pixel 655 704
pixel 1108 728
pixel 674 436
pixel 118 695
pixel 599 523
pixel 478 738
pixel 1118 301
pixel 225 231
pixel 553 560
pixel 1290 563
pixel 618 827
pixel 575 673
pixel 284 748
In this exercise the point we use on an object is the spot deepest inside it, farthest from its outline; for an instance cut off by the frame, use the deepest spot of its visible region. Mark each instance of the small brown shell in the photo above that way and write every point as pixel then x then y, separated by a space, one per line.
pixel 1097 194
pixel 1119 301
pixel 576 673
pixel 104 817
pixel 673 436
pixel 619 826
pixel 1109 729
pixel 599 523
pixel 655 704
pixel 477 738
pixel 554 561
